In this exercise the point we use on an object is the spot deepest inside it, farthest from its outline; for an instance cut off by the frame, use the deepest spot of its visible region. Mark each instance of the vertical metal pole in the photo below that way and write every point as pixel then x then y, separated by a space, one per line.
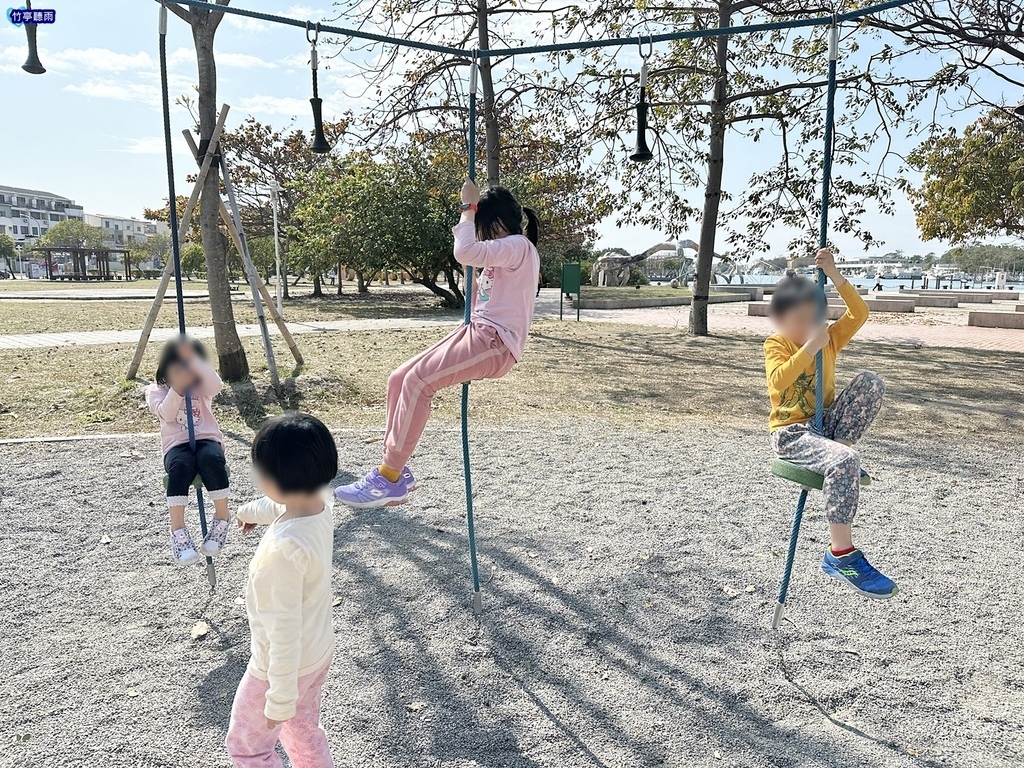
pixel 819 406
pixel 477 600
pixel 277 245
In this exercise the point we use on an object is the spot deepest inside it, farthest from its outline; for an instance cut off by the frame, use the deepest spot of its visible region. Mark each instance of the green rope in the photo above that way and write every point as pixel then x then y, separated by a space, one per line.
pixel 826 185
pixel 468 299
pixel 819 407
pixel 211 573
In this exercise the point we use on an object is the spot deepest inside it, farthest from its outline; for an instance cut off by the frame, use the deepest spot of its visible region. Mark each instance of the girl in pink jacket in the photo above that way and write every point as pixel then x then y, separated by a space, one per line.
pixel 183 369
pixel 490 239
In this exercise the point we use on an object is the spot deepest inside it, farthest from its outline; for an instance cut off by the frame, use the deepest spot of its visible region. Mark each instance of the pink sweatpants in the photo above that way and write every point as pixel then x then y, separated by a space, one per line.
pixel 251 743
pixel 469 352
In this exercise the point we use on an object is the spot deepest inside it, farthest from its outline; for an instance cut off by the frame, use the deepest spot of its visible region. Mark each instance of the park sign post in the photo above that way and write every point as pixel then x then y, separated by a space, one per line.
pixel 570 285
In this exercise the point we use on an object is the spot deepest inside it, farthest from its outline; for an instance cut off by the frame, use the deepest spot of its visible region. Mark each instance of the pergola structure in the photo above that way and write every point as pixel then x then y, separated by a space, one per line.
pixel 78 260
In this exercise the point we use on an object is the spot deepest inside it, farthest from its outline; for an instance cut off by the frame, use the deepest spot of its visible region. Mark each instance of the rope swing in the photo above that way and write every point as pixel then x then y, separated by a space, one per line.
pixel 467 312
pixel 211 573
pixel 819 406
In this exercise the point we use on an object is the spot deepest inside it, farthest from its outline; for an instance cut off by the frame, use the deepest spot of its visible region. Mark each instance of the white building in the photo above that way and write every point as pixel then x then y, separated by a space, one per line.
pixel 25 214
pixel 119 232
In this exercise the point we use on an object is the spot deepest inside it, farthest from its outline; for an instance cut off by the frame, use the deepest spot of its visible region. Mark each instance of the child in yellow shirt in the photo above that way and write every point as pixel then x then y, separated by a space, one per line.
pixel 789 366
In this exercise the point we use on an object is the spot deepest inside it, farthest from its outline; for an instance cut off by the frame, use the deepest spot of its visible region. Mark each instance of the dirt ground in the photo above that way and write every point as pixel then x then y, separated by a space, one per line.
pixel 631 539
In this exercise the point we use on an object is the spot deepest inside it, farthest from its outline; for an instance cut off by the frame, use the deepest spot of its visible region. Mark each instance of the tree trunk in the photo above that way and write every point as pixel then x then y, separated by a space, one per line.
pixel 450 299
pixel 452 275
pixel 341 279
pixel 713 191
pixel 361 282
pixel 318 290
pixel 231 355
pixel 487 86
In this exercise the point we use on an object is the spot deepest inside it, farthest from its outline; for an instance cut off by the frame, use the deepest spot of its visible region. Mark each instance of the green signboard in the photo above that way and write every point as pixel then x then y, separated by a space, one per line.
pixel 570 285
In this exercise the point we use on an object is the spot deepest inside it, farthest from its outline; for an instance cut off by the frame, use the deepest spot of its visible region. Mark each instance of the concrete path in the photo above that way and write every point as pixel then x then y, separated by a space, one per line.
pixel 929 328
pixel 98 294
pixel 93 338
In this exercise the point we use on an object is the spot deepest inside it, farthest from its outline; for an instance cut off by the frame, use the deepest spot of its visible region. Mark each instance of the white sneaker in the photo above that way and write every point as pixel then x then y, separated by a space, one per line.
pixel 183 549
pixel 216 538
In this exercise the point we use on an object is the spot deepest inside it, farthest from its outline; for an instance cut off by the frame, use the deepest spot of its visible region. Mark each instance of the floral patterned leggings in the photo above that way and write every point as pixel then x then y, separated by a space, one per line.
pixel 251 743
pixel 848 418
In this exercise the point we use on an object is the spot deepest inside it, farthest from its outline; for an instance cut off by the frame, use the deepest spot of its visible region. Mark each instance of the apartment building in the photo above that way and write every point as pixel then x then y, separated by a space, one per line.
pixel 119 232
pixel 26 214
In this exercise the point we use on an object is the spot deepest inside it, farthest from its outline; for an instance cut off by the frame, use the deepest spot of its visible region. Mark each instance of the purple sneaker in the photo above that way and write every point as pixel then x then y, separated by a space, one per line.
pixel 374 490
pixel 409 480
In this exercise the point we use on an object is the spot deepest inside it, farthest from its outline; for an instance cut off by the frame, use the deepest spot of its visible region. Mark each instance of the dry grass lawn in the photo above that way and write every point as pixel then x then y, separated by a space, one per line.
pixel 650 377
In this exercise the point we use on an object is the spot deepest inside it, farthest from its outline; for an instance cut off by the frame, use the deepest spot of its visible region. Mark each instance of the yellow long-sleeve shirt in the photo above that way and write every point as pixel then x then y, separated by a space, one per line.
pixel 790 370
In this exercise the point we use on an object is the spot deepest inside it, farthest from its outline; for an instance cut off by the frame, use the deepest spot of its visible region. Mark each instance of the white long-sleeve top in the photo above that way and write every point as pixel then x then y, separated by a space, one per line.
pixel 288 600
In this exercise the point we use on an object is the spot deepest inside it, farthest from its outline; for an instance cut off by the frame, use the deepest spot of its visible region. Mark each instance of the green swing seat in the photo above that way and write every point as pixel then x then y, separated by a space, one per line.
pixel 805 477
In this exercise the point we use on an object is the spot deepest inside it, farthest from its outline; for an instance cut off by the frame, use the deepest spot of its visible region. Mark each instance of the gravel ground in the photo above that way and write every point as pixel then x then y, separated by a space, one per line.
pixel 630 578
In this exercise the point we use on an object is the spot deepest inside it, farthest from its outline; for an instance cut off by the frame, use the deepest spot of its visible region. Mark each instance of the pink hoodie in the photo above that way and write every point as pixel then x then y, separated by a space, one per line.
pixel 169 407
pixel 505 284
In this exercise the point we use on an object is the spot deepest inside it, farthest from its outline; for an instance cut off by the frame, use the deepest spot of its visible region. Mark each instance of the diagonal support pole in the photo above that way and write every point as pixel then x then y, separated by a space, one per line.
pixel 183 226
pixel 228 220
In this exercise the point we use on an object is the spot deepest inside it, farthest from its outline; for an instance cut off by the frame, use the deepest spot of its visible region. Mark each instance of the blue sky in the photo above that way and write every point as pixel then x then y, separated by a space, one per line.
pixel 90 128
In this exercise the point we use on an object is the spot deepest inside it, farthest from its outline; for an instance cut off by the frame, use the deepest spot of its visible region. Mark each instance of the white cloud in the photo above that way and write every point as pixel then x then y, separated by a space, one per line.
pixel 125 90
pixel 244 61
pixel 98 60
pixel 246 24
pixel 304 12
pixel 147 145
pixel 296 60
pixel 181 56
pixel 273 105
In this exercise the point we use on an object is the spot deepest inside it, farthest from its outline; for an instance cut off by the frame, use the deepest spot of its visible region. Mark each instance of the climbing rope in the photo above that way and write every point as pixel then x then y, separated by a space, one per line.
pixel 211 573
pixel 468 310
pixel 819 405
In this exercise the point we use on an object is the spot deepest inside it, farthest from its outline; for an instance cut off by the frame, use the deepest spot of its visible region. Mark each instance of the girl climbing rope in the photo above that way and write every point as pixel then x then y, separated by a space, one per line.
pixel 183 371
pixel 790 368
pixel 490 238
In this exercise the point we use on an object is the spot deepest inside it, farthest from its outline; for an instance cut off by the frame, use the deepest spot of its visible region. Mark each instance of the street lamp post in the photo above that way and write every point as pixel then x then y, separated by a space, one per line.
pixel 275 188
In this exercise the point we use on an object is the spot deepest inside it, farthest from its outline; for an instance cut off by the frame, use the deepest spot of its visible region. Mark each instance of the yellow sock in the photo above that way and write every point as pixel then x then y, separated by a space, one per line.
pixel 391 474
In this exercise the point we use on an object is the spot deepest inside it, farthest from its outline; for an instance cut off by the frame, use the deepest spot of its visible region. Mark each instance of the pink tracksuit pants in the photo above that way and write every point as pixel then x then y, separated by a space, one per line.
pixel 469 352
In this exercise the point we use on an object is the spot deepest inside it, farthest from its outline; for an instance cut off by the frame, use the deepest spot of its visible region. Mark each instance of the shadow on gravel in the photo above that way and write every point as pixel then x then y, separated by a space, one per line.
pixel 248 401
pixel 524 612
pixel 217 689
pixel 851 729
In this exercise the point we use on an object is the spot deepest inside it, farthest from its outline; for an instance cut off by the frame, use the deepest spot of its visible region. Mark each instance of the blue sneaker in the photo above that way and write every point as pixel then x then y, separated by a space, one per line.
pixel 855 570
pixel 374 490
